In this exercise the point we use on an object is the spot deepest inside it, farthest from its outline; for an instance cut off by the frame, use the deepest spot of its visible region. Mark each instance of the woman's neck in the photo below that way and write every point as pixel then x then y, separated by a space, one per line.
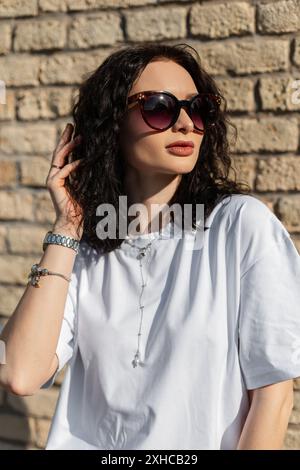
pixel 154 192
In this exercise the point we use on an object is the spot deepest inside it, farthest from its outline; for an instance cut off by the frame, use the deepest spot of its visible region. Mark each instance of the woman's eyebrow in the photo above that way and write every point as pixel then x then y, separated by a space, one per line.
pixel 188 95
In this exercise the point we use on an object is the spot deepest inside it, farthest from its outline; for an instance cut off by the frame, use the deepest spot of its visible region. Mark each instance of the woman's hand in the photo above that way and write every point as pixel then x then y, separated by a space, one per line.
pixel 68 212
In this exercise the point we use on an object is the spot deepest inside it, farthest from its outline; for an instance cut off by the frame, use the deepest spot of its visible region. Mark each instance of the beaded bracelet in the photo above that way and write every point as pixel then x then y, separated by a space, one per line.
pixel 37 272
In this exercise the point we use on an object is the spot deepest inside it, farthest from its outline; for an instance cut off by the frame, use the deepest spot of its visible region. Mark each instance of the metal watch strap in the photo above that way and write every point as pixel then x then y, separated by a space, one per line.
pixel 59 239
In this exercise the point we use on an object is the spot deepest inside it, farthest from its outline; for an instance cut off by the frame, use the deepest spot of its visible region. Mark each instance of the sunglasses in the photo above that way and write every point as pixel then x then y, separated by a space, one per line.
pixel 160 109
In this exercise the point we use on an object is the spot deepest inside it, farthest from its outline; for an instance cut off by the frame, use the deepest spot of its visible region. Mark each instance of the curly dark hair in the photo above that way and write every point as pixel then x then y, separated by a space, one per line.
pixel 98 113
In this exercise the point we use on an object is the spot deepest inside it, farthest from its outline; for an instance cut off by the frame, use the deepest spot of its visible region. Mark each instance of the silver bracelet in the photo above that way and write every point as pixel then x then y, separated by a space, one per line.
pixel 59 239
pixel 37 271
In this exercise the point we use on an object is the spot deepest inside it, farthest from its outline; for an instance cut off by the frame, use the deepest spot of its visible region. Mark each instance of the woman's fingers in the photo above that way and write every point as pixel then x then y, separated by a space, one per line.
pixel 58 179
pixel 66 170
pixel 66 149
pixel 59 158
pixel 65 137
pixel 55 181
pixel 64 141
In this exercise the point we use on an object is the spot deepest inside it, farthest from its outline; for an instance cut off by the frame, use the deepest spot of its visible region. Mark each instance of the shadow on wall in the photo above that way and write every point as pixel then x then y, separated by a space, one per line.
pixel 25 421
pixel 15 432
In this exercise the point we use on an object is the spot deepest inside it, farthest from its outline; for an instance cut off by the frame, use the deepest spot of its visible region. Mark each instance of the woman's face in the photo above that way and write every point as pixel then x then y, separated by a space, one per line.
pixel 144 148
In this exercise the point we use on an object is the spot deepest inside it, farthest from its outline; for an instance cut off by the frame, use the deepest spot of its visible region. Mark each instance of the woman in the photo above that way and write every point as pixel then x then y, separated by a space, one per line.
pixel 180 348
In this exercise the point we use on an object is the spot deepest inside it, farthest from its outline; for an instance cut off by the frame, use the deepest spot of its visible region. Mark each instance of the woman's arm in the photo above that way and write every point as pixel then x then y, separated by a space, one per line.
pixel 268 417
pixel 32 332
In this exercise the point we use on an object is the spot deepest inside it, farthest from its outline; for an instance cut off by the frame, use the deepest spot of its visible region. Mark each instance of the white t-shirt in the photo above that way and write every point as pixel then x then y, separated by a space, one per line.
pixel 217 322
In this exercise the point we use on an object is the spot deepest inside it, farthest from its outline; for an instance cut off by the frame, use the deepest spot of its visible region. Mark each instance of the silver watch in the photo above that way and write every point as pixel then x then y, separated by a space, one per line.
pixel 59 239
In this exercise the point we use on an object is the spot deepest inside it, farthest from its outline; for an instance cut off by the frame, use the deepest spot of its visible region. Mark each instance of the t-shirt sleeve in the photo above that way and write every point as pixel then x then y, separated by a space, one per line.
pixel 269 310
pixel 65 345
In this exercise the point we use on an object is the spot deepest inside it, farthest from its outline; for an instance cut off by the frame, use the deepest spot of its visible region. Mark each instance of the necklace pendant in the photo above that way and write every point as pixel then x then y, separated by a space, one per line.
pixel 136 360
pixel 140 255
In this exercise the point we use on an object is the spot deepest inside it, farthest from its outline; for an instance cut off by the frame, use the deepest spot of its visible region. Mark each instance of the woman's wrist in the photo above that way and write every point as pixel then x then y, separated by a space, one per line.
pixel 66 229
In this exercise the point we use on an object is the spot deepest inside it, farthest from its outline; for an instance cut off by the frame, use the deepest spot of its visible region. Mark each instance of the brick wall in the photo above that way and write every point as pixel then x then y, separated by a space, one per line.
pixel 252 48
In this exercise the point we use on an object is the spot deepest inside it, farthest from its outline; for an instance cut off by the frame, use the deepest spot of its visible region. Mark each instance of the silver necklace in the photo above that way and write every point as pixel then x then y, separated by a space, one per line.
pixel 140 256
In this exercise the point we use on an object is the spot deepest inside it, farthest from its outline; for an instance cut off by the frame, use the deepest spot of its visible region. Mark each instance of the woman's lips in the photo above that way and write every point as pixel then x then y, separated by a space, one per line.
pixel 181 151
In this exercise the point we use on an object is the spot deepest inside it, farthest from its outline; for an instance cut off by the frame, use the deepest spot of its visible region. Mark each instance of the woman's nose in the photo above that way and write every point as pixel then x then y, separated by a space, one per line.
pixel 184 120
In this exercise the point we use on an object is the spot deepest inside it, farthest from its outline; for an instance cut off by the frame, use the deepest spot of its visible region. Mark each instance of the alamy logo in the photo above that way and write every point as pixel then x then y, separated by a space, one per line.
pixel 106 228
pixel 296 94
pixel 2 92
pixel 296 349
pixel 2 352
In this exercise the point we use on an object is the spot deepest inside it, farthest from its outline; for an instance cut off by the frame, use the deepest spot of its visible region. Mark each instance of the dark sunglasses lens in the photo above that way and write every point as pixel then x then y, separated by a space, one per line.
pixel 204 111
pixel 158 110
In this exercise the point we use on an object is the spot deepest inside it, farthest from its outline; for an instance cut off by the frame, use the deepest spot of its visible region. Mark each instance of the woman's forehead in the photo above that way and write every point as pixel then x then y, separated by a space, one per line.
pixel 167 76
